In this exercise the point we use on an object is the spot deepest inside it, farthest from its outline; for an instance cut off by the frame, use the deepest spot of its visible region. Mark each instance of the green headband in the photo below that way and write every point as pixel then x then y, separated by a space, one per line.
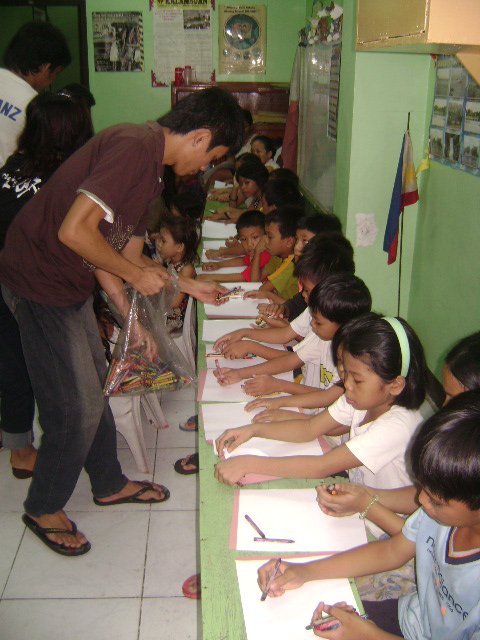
pixel 402 338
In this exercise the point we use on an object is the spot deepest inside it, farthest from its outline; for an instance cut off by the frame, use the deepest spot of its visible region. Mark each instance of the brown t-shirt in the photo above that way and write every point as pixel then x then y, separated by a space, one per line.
pixel 121 168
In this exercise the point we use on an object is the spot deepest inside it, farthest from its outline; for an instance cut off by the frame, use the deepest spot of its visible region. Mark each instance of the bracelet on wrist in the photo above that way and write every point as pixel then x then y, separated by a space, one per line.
pixel 363 514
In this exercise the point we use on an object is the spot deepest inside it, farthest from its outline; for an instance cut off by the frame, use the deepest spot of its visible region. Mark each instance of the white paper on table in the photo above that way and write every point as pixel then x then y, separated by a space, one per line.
pixel 214 329
pixel 267 448
pixel 286 617
pixel 235 308
pixel 212 391
pixel 293 514
pixel 212 244
pixel 212 229
pixel 219 184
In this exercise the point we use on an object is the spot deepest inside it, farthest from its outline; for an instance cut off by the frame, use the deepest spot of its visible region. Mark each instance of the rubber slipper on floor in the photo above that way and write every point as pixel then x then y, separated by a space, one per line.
pixel 41 533
pixel 135 498
pixel 180 465
pixel 191 588
pixel 193 421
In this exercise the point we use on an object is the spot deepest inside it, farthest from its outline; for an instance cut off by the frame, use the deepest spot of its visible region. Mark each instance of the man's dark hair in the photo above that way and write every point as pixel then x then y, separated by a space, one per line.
pixel 281 192
pixel 463 360
pixel 340 297
pixel 251 218
pixel 253 170
pixel 326 253
pixel 213 109
pixel 321 223
pixel 188 205
pixel 34 44
pixel 445 453
pixel 286 217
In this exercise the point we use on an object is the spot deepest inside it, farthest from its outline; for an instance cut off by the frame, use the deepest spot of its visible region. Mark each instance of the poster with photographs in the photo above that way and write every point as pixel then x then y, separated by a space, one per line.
pixel 118 41
pixel 242 33
pixel 182 35
pixel 455 123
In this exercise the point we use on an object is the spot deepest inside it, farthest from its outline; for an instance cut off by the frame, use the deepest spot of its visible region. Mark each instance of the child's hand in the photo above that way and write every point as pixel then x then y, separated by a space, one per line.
pixel 352 626
pixel 256 294
pixel 227 376
pixel 261 385
pixel 213 254
pixel 238 349
pixel 232 242
pixel 346 500
pixel 279 415
pixel 275 403
pixel 233 336
pixel 232 438
pixel 274 323
pixel 289 576
pixel 272 310
pixel 261 245
pixel 232 471
pixel 211 266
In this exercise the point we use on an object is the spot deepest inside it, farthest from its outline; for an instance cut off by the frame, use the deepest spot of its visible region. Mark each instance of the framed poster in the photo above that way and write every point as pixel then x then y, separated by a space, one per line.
pixel 182 35
pixel 242 39
pixel 118 40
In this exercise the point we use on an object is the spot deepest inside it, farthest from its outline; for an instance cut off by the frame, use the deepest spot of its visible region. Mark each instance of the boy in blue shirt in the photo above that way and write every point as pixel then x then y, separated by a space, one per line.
pixel 443 535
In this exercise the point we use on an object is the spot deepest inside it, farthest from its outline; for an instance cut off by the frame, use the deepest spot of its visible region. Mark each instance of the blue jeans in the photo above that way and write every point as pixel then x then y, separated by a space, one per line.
pixel 66 364
pixel 17 404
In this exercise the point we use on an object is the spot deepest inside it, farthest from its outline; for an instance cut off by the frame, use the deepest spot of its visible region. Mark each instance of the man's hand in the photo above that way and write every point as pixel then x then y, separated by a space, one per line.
pixel 204 291
pixel 149 280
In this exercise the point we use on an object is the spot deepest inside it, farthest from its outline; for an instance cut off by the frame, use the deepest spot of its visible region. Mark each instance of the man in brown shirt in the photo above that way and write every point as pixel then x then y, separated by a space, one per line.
pixel 88 224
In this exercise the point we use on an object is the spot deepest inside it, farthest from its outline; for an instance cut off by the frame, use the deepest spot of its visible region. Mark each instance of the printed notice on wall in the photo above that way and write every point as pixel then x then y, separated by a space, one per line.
pixel 118 41
pixel 182 35
pixel 455 125
pixel 242 34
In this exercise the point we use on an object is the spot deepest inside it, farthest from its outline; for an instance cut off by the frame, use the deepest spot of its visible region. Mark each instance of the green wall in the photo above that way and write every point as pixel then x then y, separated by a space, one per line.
pixel 130 97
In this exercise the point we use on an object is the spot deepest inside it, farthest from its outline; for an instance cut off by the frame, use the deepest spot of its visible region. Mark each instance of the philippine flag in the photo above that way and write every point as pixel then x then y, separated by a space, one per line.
pixel 404 192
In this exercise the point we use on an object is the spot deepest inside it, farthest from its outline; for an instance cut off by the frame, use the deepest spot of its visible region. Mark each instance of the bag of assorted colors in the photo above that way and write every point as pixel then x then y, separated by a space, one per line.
pixel 145 357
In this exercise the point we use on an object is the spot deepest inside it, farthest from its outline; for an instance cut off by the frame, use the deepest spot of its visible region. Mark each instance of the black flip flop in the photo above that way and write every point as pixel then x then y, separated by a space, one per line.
pixel 41 533
pixel 135 497
pixel 179 465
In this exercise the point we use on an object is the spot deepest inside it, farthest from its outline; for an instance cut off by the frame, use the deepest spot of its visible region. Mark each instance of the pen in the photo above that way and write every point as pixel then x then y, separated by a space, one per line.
pixel 219 371
pixel 272 577
pixel 281 540
pixel 329 623
pixel 257 529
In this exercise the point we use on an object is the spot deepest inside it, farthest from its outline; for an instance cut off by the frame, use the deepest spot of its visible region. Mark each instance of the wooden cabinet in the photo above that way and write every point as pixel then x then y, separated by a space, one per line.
pixel 257 97
pixel 419 26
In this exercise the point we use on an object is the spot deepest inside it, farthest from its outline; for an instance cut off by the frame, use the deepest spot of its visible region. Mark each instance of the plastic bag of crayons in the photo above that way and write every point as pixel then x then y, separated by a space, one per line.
pixel 145 357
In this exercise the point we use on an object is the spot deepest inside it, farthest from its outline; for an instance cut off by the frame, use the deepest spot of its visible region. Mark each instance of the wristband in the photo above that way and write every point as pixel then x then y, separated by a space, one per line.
pixel 363 514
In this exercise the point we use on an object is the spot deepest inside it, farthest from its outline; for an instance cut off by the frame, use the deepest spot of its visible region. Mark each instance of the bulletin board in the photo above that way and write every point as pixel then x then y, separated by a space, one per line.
pixel 455 123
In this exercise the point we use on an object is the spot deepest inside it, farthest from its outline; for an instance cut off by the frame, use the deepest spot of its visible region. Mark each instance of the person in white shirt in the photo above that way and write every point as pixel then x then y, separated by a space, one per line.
pixel 33 59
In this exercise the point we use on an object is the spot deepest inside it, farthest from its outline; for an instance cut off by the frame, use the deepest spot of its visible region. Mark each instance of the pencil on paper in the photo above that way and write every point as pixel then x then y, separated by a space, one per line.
pixel 257 529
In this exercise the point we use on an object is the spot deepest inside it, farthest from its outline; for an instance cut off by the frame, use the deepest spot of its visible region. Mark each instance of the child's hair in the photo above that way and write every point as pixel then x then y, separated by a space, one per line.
pixel 463 360
pixel 79 93
pixel 55 127
pixel 282 173
pixel 373 340
pixel 281 192
pixel 267 143
pixel 188 205
pixel 251 218
pixel 253 170
pixel 445 453
pixel 247 117
pixel 287 219
pixel 325 254
pixel 321 223
pixel 340 297
pixel 247 156
pixel 184 231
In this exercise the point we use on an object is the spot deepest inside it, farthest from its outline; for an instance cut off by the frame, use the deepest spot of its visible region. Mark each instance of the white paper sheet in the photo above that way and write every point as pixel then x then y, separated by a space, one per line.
pixel 235 308
pixel 214 329
pixel 212 244
pixel 212 229
pixel 286 617
pixel 294 514
pixel 266 448
pixel 215 392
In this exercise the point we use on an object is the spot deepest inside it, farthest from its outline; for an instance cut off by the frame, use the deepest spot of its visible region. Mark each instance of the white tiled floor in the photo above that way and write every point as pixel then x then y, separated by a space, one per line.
pixel 128 587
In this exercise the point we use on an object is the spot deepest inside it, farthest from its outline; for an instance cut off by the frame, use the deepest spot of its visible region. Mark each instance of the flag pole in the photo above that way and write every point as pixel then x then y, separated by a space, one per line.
pixel 401 245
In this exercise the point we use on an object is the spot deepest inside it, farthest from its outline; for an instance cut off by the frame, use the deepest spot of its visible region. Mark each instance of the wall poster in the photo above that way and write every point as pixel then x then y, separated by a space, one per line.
pixel 455 124
pixel 242 34
pixel 118 40
pixel 182 35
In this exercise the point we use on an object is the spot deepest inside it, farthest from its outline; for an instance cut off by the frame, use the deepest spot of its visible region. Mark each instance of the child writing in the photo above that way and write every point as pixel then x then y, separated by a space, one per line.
pixel 333 302
pixel 176 246
pixel 251 234
pixel 384 377
pixel 443 536
pixel 460 373
pixel 264 148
